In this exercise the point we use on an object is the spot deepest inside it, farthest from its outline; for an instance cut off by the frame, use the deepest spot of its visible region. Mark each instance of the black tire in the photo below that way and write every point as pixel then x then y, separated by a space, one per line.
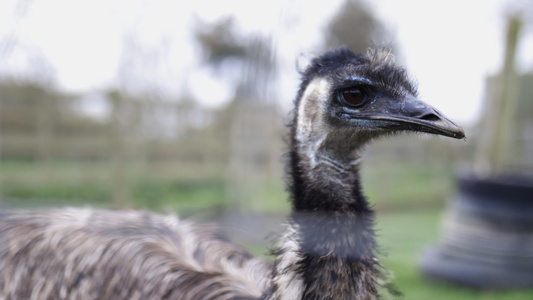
pixel 487 236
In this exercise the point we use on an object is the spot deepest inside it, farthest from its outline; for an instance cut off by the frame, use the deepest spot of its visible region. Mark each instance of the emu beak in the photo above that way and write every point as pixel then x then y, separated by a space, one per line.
pixel 412 114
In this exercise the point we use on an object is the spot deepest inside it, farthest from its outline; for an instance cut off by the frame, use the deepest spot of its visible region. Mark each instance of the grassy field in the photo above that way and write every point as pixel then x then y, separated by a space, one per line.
pixel 409 198
pixel 164 187
pixel 404 235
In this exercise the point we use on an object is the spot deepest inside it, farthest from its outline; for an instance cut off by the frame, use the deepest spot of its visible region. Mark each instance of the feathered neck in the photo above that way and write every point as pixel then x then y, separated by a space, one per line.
pixel 333 225
pixel 329 252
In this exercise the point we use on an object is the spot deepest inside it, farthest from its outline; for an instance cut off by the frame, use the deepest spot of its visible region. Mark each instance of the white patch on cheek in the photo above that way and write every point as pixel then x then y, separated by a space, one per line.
pixel 311 130
pixel 310 112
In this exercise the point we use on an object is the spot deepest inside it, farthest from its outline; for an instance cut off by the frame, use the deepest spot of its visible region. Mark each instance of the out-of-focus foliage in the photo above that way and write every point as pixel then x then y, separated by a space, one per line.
pixel 254 121
pixel 219 41
pixel 247 54
pixel 356 27
pixel 31 115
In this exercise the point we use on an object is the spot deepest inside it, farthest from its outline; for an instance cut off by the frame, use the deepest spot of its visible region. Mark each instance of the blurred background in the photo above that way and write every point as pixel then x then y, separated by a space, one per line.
pixel 180 107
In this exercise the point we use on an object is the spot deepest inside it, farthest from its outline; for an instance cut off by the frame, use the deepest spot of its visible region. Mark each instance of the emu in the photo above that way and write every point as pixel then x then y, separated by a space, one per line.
pixel 328 251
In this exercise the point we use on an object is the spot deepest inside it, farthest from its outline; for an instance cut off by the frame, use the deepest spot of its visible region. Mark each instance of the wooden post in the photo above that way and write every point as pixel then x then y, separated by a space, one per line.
pixel 498 121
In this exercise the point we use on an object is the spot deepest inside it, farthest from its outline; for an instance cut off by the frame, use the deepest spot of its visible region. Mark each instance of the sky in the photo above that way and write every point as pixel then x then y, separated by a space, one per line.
pixel 449 46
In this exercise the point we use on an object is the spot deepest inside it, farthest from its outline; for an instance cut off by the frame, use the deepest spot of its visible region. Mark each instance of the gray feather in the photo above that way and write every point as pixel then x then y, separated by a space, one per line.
pixel 91 254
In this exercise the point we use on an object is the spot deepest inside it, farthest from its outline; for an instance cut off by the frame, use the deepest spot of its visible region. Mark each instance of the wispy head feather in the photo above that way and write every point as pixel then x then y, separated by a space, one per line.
pixel 380 56
pixel 378 65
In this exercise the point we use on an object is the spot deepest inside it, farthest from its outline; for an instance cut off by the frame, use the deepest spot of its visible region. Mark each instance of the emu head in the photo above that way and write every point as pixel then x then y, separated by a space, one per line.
pixel 347 99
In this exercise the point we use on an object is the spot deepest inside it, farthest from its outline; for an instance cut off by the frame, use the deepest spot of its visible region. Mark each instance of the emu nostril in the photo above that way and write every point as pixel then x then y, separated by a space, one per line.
pixel 430 117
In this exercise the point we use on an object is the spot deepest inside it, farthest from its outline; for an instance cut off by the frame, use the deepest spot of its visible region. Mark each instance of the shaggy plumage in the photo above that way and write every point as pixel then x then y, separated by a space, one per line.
pixel 96 254
pixel 328 251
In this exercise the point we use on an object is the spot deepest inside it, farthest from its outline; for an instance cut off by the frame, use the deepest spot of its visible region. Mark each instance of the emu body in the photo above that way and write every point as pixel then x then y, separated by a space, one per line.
pixel 96 254
pixel 328 251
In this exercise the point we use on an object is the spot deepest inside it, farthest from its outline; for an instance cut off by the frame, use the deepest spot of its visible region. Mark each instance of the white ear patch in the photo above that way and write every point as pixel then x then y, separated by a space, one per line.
pixel 311 131
pixel 311 109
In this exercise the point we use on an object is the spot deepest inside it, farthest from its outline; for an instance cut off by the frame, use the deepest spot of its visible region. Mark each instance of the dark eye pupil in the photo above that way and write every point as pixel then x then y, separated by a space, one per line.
pixel 354 97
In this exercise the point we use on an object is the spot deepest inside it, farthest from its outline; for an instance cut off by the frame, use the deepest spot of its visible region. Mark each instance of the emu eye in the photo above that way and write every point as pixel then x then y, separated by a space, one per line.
pixel 354 97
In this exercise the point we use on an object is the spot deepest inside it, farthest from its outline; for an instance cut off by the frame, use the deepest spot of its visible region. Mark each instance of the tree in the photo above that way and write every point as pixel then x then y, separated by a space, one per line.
pixel 252 115
pixel 356 27
pixel 219 41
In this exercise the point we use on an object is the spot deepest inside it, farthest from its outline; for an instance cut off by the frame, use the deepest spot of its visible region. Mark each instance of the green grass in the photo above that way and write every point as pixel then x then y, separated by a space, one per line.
pixel 175 187
pixel 163 187
pixel 186 197
pixel 404 236
pixel 407 185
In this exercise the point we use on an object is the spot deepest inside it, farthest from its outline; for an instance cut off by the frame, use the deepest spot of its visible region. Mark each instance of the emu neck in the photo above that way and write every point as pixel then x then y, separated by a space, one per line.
pixel 325 176
pixel 334 224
